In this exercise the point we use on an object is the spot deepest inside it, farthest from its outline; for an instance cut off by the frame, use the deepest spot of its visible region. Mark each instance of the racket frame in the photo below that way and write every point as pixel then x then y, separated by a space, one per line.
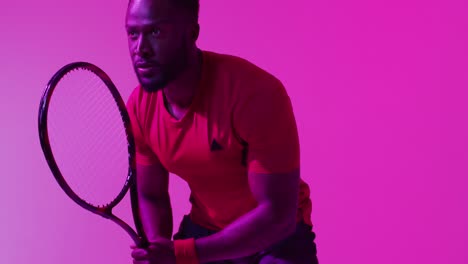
pixel 130 182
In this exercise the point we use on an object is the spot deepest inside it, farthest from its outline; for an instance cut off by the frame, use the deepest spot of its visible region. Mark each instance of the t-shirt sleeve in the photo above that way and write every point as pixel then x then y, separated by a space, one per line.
pixel 144 154
pixel 265 120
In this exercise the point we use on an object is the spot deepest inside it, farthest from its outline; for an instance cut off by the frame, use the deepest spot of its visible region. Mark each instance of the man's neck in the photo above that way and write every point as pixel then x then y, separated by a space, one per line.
pixel 181 91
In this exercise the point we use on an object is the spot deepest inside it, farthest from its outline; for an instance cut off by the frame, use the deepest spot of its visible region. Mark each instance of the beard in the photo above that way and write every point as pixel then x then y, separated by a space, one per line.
pixel 168 72
pixel 154 83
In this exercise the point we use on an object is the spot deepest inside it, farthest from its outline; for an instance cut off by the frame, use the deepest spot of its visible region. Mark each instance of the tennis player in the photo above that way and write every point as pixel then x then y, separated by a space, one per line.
pixel 227 128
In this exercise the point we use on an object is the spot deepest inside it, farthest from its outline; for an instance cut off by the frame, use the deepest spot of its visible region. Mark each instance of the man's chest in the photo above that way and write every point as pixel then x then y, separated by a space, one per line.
pixel 200 145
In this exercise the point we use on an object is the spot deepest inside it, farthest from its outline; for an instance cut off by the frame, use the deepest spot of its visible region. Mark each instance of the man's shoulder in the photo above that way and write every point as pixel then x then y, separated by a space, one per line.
pixel 139 94
pixel 242 70
pixel 140 101
pixel 225 59
pixel 134 97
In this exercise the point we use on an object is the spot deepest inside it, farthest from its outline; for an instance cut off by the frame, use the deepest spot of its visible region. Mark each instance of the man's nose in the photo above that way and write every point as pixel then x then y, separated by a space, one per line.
pixel 143 47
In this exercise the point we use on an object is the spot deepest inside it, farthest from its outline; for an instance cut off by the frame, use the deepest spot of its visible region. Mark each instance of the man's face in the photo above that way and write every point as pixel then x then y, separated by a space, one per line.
pixel 158 42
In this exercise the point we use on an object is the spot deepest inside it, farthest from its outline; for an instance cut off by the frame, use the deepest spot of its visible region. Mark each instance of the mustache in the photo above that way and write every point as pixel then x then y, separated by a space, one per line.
pixel 147 63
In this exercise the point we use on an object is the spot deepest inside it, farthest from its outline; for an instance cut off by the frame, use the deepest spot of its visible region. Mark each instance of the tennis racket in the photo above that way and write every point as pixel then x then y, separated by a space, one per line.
pixel 86 137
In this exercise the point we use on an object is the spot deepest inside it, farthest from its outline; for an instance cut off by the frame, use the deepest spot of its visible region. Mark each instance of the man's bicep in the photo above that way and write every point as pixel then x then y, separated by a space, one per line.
pixel 152 180
pixel 267 124
pixel 278 191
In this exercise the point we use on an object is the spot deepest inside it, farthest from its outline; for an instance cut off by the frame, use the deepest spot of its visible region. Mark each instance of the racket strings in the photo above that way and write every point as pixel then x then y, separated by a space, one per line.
pixel 88 137
pixel 97 107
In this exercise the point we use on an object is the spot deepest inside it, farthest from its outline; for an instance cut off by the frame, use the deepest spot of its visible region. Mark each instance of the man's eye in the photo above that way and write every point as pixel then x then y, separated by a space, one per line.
pixel 132 34
pixel 155 32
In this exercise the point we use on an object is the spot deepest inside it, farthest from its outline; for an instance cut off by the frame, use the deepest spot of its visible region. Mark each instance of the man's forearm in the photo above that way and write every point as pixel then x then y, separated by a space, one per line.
pixel 156 217
pixel 249 234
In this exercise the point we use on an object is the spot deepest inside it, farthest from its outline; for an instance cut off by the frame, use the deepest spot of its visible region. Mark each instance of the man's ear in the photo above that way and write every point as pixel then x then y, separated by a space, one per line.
pixel 195 32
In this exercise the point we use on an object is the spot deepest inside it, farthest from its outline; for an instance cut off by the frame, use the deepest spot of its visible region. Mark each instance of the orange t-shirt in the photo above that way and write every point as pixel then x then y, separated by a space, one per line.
pixel 240 120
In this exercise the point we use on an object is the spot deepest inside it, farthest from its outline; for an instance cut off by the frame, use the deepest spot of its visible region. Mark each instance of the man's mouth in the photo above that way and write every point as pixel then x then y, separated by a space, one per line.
pixel 147 68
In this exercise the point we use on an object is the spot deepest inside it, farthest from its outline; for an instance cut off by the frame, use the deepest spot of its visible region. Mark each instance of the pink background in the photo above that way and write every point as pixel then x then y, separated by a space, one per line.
pixel 380 92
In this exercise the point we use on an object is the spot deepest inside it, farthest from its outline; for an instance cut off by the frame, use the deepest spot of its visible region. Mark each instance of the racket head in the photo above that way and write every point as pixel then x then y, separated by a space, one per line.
pixel 113 97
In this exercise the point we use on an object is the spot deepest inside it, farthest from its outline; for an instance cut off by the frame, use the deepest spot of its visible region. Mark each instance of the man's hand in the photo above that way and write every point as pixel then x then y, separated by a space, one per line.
pixel 160 251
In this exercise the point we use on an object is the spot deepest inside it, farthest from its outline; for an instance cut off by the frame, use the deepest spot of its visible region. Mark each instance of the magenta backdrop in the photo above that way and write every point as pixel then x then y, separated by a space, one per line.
pixel 380 92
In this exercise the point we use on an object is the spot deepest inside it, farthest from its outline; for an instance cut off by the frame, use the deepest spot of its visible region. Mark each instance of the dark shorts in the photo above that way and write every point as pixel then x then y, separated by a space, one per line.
pixel 299 248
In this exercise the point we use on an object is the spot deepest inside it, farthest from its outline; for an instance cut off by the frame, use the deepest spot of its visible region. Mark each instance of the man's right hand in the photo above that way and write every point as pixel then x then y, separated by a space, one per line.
pixel 160 251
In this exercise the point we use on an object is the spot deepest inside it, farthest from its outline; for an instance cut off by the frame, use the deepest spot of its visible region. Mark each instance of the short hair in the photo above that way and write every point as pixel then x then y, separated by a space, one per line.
pixel 192 7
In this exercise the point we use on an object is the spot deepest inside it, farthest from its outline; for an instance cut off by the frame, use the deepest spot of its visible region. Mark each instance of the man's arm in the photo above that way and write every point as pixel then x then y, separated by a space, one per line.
pixel 154 201
pixel 152 179
pixel 271 221
pixel 264 119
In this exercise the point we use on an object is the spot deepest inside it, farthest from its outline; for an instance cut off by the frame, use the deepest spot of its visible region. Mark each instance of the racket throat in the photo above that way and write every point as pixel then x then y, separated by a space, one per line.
pixel 105 212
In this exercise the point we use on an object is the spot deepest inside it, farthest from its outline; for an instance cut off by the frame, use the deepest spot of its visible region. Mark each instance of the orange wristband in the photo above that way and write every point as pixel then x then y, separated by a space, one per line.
pixel 185 251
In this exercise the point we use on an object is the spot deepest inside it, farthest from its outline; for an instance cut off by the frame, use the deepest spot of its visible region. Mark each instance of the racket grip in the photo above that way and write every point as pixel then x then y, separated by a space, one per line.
pixel 142 242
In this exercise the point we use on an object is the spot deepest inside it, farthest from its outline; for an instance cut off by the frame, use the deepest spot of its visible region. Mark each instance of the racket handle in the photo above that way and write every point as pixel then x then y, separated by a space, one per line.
pixel 142 243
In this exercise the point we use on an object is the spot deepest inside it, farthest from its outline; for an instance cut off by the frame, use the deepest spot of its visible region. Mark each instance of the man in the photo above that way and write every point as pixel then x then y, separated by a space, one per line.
pixel 227 128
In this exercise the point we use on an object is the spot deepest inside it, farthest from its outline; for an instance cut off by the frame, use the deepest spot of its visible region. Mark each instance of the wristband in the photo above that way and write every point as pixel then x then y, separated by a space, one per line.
pixel 185 251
